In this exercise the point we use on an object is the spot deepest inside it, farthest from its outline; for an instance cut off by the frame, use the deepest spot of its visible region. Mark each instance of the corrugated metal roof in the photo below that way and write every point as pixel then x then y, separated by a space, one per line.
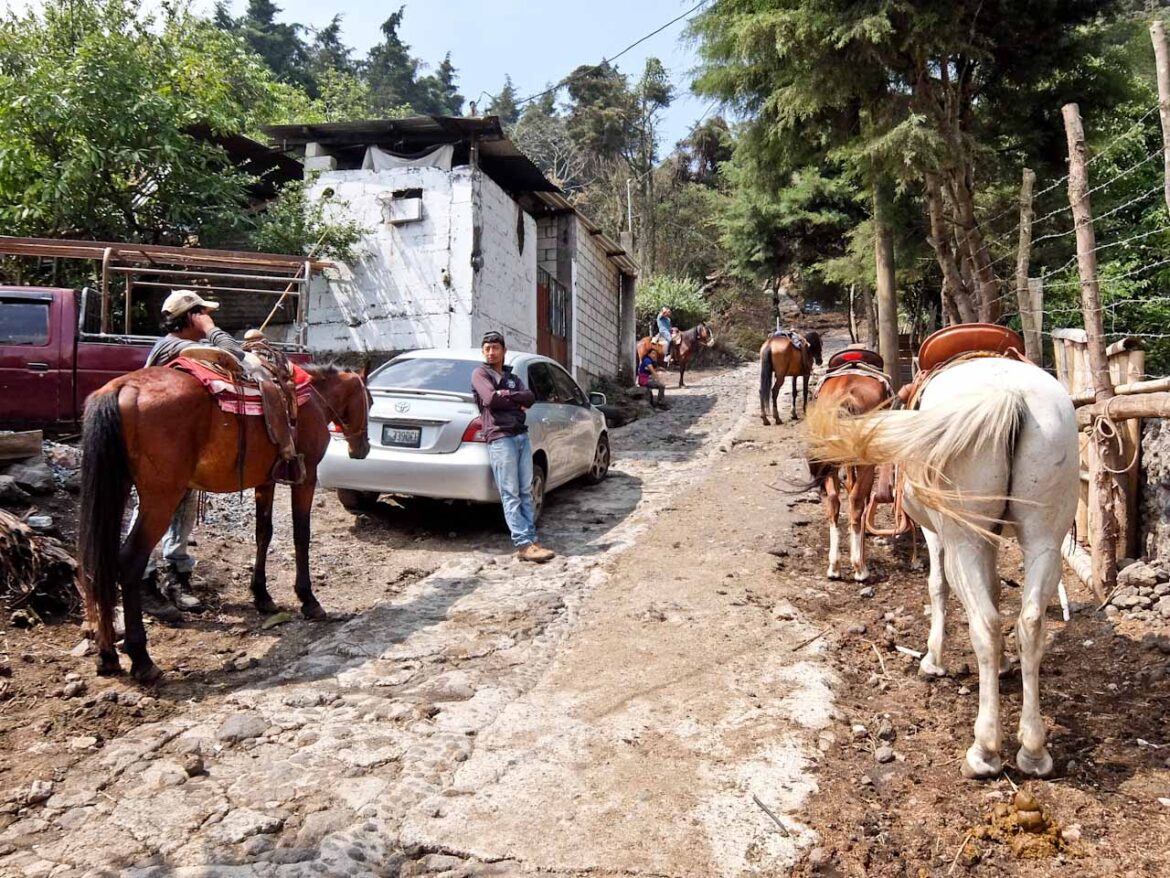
pixel 498 156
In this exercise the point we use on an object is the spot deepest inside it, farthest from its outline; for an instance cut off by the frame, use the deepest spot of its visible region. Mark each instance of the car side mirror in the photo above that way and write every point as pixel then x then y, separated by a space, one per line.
pixel 597 399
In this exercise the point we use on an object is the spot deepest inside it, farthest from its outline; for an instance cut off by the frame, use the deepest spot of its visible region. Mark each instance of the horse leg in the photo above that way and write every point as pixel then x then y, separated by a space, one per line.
pixel 832 495
pixel 1041 577
pixel 794 415
pixel 682 370
pixel 859 493
pixel 969 563
pixel 260 596
pixel 932 663
pixel 777 386
pixel 302 508
pixel 154 517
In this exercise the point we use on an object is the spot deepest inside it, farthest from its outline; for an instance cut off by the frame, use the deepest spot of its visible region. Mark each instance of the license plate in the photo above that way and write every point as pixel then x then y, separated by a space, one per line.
pixel 401 437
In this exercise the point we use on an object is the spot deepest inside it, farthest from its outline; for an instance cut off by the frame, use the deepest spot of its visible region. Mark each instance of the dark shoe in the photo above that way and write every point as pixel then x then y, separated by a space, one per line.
pixel 155 606
pixel 178 591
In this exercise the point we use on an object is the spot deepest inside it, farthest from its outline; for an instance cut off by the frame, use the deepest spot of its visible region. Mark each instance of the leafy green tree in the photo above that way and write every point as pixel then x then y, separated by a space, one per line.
pixel 504 105
pixel 98 100
pixel 296 223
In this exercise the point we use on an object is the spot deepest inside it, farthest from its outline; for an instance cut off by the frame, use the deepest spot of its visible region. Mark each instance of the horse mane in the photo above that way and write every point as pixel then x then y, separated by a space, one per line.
pixel 323 370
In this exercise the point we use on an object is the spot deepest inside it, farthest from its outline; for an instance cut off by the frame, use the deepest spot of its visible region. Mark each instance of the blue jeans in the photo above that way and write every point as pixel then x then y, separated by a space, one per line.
pixel 175 540
pixel 511 459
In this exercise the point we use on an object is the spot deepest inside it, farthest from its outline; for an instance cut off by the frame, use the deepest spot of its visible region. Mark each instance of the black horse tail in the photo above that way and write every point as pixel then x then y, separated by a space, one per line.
pixel 765 372
pixel 105 488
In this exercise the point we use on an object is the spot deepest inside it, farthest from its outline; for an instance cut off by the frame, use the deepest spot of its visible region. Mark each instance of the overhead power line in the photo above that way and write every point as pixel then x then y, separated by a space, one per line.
pixel 613 58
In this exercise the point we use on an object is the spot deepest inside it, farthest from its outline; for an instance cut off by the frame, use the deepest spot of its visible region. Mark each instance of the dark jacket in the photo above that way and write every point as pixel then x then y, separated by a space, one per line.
pixel 500 402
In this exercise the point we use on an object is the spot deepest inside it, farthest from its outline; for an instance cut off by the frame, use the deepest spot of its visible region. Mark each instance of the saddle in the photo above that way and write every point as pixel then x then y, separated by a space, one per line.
pixel 265 384
pixel 798 340
pixel 954 344
pixel 856 355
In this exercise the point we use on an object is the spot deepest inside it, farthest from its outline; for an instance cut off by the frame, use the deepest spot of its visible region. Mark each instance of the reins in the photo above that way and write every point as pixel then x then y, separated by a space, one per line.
pixel 349 434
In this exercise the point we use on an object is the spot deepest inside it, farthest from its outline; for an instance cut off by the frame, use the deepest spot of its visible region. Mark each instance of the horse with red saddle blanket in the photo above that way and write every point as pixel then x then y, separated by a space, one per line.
pixel 164 431
pixel 857 384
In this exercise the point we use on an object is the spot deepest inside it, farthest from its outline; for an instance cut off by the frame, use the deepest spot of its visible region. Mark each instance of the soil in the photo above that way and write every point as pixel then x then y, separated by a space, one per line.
pixel 661 687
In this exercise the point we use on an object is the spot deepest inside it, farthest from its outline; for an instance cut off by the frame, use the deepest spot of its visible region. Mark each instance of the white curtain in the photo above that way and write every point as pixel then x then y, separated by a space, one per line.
pixel 380 160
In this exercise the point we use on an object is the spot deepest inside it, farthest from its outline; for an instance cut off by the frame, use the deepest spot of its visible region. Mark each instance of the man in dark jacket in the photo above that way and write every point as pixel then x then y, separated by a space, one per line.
pixel 502 400
pixel 186 317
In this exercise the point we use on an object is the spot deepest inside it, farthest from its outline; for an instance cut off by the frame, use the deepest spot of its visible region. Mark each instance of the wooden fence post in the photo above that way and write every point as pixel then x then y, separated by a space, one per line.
pixel 1028 317
pixel 1036 300
pixel 1105 489
pixel 1162 66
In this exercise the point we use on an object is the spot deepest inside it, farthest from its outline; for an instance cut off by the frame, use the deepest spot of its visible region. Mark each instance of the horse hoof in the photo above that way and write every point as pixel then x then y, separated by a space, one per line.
pixel 314 612
pixel 148 675
pixel 861 576
pixel 109 666
pixel 266 606
pixel 1035 766
pixel 975 767
pixel 927 668
pixel 833 575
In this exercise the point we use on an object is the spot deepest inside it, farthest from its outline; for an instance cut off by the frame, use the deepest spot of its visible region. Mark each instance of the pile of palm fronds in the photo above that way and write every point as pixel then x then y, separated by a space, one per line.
pixel 35 570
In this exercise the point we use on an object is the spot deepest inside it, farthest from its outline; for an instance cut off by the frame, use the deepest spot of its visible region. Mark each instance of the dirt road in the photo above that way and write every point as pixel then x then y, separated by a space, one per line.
pixel 681 693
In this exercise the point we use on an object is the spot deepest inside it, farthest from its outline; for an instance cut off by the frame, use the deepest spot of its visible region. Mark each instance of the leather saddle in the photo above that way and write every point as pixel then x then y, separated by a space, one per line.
pixel 269 372
pixel 958 342
pixel 856 354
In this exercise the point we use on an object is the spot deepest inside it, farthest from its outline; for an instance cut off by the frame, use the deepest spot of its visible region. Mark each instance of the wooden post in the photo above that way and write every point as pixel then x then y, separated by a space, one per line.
pixel 1106 490
pixel 887 294
pixel 1036 300
pixel 1162 65
pixel 1023 255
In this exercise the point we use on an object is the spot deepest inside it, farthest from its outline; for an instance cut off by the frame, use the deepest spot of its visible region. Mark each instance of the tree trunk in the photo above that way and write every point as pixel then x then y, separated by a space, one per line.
pixel 956 295
pixel 976 249
pixel 887 294
pixel 871 322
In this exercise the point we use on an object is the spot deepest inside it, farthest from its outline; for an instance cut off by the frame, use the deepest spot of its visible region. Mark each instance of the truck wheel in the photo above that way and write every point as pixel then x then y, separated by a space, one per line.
pixel 357 501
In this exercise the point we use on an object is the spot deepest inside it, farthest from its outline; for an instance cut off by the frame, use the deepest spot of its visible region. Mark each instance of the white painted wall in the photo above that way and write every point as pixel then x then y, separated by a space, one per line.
pixel 596 309
pixel 505 287
pixel 412 285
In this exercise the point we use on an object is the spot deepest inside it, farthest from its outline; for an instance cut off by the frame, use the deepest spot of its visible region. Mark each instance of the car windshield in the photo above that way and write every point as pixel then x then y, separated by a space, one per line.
pixel 440 376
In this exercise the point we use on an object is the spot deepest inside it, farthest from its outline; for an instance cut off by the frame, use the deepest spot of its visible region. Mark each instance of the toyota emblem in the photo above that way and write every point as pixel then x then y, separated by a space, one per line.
pixel 401 406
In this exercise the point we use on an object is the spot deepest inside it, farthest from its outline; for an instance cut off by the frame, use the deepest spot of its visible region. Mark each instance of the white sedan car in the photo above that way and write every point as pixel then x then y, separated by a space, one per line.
pixel 426 438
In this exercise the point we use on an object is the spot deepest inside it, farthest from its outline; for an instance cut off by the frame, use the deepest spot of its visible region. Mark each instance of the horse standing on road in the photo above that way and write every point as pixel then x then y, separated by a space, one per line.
pixel 994 442
pixel 684 348
pixel 780 357
pixel 160 431
pixel 856 392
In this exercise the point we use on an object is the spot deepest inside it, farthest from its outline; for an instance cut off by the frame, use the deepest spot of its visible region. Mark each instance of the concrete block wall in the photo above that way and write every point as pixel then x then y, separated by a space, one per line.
pixel 411 285
pixel 548 243
pixel 596 310
pixel 505 287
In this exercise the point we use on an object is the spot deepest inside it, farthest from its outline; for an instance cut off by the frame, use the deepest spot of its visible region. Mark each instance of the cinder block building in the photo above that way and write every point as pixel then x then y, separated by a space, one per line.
pixel 464 234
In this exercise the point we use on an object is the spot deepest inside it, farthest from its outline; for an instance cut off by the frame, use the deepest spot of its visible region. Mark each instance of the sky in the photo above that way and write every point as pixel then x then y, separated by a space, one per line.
pixel 534 41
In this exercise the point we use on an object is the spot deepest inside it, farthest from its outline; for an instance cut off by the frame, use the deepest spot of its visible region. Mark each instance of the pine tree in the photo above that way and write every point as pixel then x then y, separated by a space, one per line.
pixel 389 69
pixel 504 104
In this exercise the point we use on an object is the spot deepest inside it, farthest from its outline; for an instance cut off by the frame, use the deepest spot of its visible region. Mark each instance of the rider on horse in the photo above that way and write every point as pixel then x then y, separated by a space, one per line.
pixel 187 320
pixel 666 333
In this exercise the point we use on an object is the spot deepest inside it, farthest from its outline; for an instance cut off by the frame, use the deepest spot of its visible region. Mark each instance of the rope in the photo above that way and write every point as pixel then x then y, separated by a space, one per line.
pixel 1105 430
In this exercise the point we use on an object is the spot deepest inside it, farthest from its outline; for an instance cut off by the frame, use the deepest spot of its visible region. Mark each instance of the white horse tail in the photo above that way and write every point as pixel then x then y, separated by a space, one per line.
pixel 985 421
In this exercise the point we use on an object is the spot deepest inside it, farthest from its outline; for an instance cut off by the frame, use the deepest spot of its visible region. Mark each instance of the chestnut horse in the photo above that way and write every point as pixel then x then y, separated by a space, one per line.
pixel 781 358
pixel 855 392
pixel 161 432
pixel 688 344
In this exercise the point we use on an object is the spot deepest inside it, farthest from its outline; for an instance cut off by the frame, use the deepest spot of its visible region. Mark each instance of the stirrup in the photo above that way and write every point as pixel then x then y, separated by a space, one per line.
pixel 289 472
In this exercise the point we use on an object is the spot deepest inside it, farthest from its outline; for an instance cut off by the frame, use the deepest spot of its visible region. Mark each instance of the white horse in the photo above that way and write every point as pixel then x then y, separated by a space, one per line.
pixel 994 441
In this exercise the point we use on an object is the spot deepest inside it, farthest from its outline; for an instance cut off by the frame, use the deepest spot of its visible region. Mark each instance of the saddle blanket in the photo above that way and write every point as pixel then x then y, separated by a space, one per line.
pixel 795 337
pixel 237 397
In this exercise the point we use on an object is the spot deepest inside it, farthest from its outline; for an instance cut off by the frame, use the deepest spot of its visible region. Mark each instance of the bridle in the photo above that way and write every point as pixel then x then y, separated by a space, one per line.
pixel 350 435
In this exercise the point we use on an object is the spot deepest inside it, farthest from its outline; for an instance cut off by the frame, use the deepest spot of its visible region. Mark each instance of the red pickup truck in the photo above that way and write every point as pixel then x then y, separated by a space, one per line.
pixel 50 363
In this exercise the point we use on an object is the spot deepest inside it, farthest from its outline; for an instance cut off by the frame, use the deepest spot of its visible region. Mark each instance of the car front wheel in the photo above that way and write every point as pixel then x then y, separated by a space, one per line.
pixel 538 482
pixel 599 469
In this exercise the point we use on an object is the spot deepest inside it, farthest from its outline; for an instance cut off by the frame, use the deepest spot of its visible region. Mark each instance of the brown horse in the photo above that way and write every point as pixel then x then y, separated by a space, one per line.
pixel 161 432
pixel 779 357
pixel 856 392
pixel 683 348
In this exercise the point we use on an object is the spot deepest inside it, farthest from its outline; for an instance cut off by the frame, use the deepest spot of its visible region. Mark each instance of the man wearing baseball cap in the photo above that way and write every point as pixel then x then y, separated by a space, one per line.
pixel 502 400
pixel 186 318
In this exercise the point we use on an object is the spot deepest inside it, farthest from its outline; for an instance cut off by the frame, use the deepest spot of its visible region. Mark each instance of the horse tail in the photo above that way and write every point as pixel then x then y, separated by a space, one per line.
pixel 105 487
pixel 765 372
pixel 923 443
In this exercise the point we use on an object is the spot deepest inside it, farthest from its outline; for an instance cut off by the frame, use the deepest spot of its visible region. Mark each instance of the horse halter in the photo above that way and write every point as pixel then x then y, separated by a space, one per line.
pixel 350 435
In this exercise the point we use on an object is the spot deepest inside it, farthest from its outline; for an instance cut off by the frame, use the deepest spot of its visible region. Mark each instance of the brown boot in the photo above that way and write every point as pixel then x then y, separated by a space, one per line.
pixel 533 553
pixel 549 554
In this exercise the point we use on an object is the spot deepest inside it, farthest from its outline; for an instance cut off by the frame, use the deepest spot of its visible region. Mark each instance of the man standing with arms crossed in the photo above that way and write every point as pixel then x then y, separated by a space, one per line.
pixel 502 400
